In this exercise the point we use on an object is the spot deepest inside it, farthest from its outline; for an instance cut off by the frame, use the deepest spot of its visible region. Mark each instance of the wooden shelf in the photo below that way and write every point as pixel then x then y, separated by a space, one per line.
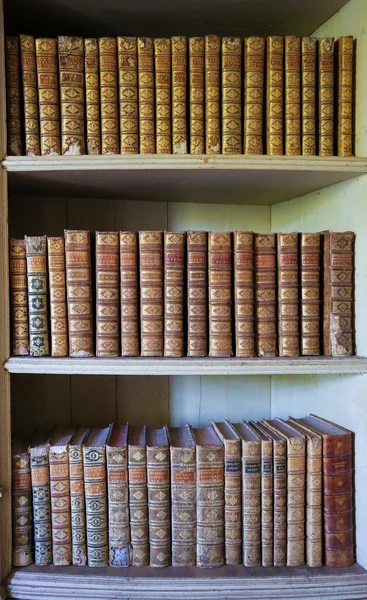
pixel 261 180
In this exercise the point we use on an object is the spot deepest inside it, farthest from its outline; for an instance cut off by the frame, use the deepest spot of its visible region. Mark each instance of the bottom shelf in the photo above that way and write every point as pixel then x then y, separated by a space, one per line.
pixel 237 582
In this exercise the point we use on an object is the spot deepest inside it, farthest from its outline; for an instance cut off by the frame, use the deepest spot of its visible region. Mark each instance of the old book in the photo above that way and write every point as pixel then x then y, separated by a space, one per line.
pixel 212 95
pixel 30 95
pixel 40 476
pixel 19 297
pixel 109 97
pixel 95 486
pixel 338 323
pixel 231 95
pixel 162 64
pixel 183 496
pixel 13 98
pixel 292 64
pixel 288 300
pixel 146 96
pixel 92 100
pixel 22 519
pixel 179 92
pixel 274 95
pixel 345 77
pixel 48 95
pixel 71 71
pixel 210 498
pixel 107 293
pixel 118 497
pixel 151 292
pixel 138 496
pixel 39 344
pixel 265 251
pixel 326 96
pixel 128 94
pixel 196 94
pixel 308 83
pixel 244 306
pixel 79 292
pixel 253 127
pixel 310 292
pixel 232 492
pixel 197 292
pixel 57 281
pixel 159 505
pixel 220 293
pixel 129 293
pixel 174 280
pixel 77 505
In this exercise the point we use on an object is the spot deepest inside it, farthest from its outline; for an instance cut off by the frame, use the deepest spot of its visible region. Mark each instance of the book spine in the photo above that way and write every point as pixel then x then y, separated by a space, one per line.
pixel 288 313
pixel 179 92
pixel 196 68
pixel 48 95
pixel 151 293
pixel 41 509
pixel 30 97
pixel 22 511
pixel 77 507
pixel 296 476
pixel 212 95
pixel 326 96
pixel 162 61
pixel 118 507
pixel 251 499
pixel 314 533
pixel 280 503
pixel 197 292
pixel 92 100
pixel 94 464
pixel 308 74
pixel 274 95
pixel 128 94
pixel 71 70
pixel 265 294
pixel 231 95
pixel 159 506
pixel 19 297
pixel 60 506
pixel 58 313
pixel 129 297
pixel 220 294
pixel 254 49
pixel 109 96
pixel 232 502
pixel 79 292
pixel 146 96
pixel 267 513
pixel 138 505
pixel 243 248
pixel 310 267
pixel 13 97
pixel 174 270
pixel 39 344
pixel 345 61
pixel 292 60
pixel 183 498
pixel 107 291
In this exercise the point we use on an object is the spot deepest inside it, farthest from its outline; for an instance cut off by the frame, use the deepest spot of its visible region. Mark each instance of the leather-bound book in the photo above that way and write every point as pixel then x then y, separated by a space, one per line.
pixel 57 281
pixel 326 96
pixel 174 280
pixel 231 95
pixel 179 92
pixel 92 100
pixel 232 492
pixel 162 63
pixel 13 97
pixel 220 293
pixel 183 496
pixel 39 343
pixel 30 96
pixel 212 95
pixel 95 486
pixel 128 94
pixel 77 505
pixel 292 60
pixel 79 292
pixel 71 71
pixel 265 251
pixel 159 504
pixel 19 297
pixel 288 300
pixel 48 95
pixel 197 292
pixel 151 292
pixel 345 91
pixel 118 497
pixel 253 124
pixel 107 293
pixel 308 82
pixel 338 322
pixel 138 496
pixel 310 292
pixel 197 92
pixel 22 519
pixel 274 94
pixel 40 477
pixel 146 96
pixel 244 305
pixel 129 293
pixel 109 97
pixel 210 498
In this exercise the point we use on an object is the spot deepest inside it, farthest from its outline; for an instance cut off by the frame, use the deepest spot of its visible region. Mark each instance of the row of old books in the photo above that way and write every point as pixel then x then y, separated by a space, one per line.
pixel 272 493
pixel 179 293
pixel 199 95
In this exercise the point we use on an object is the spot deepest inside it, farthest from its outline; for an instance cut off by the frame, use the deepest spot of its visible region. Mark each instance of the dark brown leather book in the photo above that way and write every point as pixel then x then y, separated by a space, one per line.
pixel 30 96
pixel 40 476
pixel 107 293
pixel 244 305
pixel 292 71
pixel 309 102
pixel 77 504
pixel 345 91
pixel 220 293
pixel 265 294
pixel 174 280
pixel 310 292
pixel 22 521
pixel 138 496
pixel 288 301
pixel 118 497
pixel 57 281
pixel 13 98
pixel 151 292
pixel 19 297
pixel 326 96
pixel 39 337
pixel 129 293
pixel 72 101
pixel 197 293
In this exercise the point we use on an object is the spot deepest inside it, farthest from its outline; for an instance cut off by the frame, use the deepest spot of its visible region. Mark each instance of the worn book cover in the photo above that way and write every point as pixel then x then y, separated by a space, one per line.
pixel 309 102
pixel 253 124
pixel 162 65
pixel 197 293
pixel 19 297
pixel 138 496
pixel 292 63
pixel 40 477
pixel 57 281
pixel 48 95
pixel 244 299
pixel 345 93
pixel 13 97
pixel 92 99
pixel 310 292
pixel 326 96
pixel 212 95
pixel 22 518
pixel 30 95
pixel 128 94
pixel 174 289
pixel 146 96
pixel 179 94
pixel 72 101
pixel 265 251
pixel 231 95
pixel 220 293
pixel 274 95
pixel 196 95
pixel 288 297
pixel 107 293
pixel 77 504
pixel 109 97
pixel 39 338
pixel 118 497
pixel 129 293
pixel 151 292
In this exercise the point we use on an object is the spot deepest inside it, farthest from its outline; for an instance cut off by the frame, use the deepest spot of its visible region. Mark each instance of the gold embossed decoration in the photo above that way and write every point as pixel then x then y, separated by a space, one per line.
pixel 345 74
pixel 196 65
pixel 212 95
pixel 179 91
pixel 71 72
pixel 274 95
pixel 48 95
pixel 92 96
pixel 162 61
pixel 231 95
pixel 128 94
pixel 109 97
pixel 30 96
pixel 254 52
pixel 326 96
pixel 292 47
pixel 308 78
pixel 146 96
pixel 14 125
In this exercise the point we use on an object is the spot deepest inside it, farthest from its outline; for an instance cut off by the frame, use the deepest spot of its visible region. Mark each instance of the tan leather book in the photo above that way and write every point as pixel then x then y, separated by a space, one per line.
pixel 308 78
pixel 326 96
pixel 232 492
pixel 71 72
pixel 19 297
pixel 265 251
pixel 274 94
pixel 30 95
pixel 118 497
pixel 212 95
pixel 179 92
pixel 220 293
pixel 183 496
pixel 107 293
pixel 13 98
pixel 151 292
pixel 174 280
pixel 231 95
pixel 57 281
pixel 77 504
pixel 210 498
pixel 138 496
pixel 128 94
pixel 162 64
pixel 345 91
pixel 197 292
pixel 129 293
pixel 197 92
pixel 39 337
pixel 253 124
pixel 40 477
pixel 292 61
pixel 48 95
pixel 310 309
pixel 244 300
pixel 79 292
pixel 338 322
pixel 146 96
pixel 109 97
pixel 92 99
pixel 22 519
pixel 288 297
